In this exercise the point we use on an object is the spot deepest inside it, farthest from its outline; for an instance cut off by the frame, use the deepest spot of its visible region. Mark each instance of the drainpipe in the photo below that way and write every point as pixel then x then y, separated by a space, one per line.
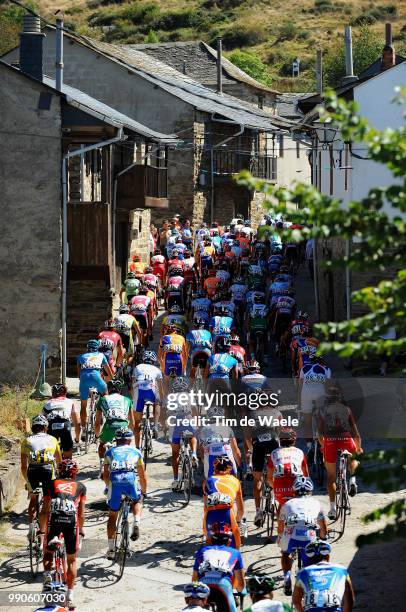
pixel 315 265
pixel 65 245
pixel 59 54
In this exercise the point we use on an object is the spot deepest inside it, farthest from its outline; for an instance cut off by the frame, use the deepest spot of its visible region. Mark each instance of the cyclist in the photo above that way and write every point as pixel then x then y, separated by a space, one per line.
pixel 223 306
pixel 147 386
pixel 211 283
pixel 221 365
pixel 60 413
pixel 127 326
pixel 260 588
pixel 175 289
pixel 201 305
pixel 238 352
pixel 130 287
pixel 337 430
pixel 189 270
pixel 140 308
pixel 90 366
pixel 173 353
pixel 183 414
pixel 297 523
pixel 175 318
pixel 217 439
pixel 221 491
pixel 257 322
pixel 303 347
pixel 116 411
pixel 114 342
pixel 260 440
pixel 284 311
pixel 220 567
pixel 238 290
pixel 285 465
pixel 313 378
pixel 137 266
pixel 200 345
pixel 204 256
pixel 39 454
pixel 220 326
pixel 196 596
pixel 124 474
pixel 322 585
pixel 253 380
pixel 66 499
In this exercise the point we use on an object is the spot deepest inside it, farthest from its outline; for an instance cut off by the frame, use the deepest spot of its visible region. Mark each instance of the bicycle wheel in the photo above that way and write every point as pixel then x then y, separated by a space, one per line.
pixel 34 545
pixel 60 565
pixel 123 546
pixel 187 479
pixel 146 441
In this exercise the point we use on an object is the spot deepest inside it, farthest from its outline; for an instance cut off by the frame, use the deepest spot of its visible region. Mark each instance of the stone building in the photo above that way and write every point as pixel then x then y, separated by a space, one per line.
pixel 65 233
pixel 220 135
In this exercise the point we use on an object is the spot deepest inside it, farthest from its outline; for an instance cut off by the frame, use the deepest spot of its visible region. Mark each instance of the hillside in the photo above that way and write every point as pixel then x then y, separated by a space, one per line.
pixel 272 32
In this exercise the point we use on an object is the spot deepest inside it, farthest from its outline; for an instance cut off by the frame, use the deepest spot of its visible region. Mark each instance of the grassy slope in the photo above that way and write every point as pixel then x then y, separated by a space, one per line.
pixel 278 30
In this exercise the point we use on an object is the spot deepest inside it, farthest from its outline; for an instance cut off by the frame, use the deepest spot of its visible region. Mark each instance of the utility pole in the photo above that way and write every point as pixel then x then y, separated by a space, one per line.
pixel 219 67
pixel 319 71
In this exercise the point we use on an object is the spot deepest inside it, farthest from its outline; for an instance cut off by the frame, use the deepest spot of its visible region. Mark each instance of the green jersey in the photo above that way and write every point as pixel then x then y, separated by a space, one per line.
pixel 115 407
pixel 131 286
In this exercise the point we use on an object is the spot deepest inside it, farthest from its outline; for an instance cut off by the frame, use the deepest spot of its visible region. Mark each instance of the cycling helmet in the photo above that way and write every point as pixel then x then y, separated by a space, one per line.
pixel 253 366
pixel 220 532
pixel 200 293
pixel 174 231
pixel 136 258
pixel 179 239
pixel 39 421
pixel 174 254
pixel 170 328
pixel 93 345
pixel 180 385
pixel 287 436
pixel 68 468
pixel 196 590
pixel 115 385
pixel 235 340
pixel 223 344
pixel 247 223
pixel 130 275
pixel 214 224
pixel 143 290
pixel 303 485
pixel 175 309
pixel 222 464
pixel 58 390
pixel 302 315
pixel 257 298
pixel 187 254
pixel 238 280
pixel 260 585
pixel 124 309
pixel 149 270
pixel 318 548
pixel 157 252
pixel 123 434
pixel 149 357
pixel 175 271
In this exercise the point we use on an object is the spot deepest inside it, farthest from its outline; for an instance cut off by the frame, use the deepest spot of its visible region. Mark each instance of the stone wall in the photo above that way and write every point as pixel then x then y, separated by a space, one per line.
pixel 140 221
pixel 30 248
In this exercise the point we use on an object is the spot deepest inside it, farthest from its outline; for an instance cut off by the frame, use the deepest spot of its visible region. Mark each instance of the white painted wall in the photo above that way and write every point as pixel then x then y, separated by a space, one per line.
pixel 292 168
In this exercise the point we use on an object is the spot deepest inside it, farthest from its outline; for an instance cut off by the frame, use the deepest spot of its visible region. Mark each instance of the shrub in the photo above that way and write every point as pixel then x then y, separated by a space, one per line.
pixel 287 31
pixel 375 14
pixel 141 14
pixel 323 5
pixel 252 65
pixel 74 10
pixel 151 37
pixel 246 35
pixel 302 34
pixel 173 20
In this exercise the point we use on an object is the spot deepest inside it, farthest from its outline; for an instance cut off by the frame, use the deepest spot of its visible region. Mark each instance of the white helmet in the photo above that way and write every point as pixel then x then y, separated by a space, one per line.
pixel 303 485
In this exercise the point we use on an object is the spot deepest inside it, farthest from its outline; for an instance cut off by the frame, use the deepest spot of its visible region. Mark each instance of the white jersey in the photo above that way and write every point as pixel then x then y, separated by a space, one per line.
pixel 287 461
pixel 58 408
pixel 146 377
pixel 300 516
pixel 268 605
pixel 215 440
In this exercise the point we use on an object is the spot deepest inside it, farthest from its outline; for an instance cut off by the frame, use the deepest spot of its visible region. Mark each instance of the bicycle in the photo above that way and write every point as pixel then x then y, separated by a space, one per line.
pixel 146 432
pixel 122 538
pixel 57 546
pixel 315 456
pixel 34 535
pixel 90 436
pixel 269 505
pixel 343 505
pixel 186 470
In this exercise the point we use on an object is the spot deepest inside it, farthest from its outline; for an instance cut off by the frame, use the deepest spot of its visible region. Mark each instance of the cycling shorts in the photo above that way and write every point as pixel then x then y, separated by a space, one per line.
pixel 331 446
pixel 289 544
pixel 178 431
pixel 40 476
pixel 61 430
pixel 206 262
pixel 125 339
pixel 221 591
pixel 89 380
pixel 175 299
pixel 259 450
pixel 124 483
pixel 174 360
pixel 69 528
pixel 217 515
pixel 199 356
pixel 108 432
pixel 142 320
pixel 141 396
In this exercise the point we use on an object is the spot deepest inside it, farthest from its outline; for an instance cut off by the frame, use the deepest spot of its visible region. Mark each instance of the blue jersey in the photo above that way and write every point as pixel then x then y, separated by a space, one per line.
pixel 221 326
pixel 217 560
pixel 216 240
pixel 123 462
pixel 220 365
pixel 323 586
pixel 91 362
pixel 199 338
pixel 201 305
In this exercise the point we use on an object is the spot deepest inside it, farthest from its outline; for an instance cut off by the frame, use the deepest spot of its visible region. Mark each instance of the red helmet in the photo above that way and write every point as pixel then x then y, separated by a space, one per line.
pixel 220 531
pixel 68 469
pixel 136 258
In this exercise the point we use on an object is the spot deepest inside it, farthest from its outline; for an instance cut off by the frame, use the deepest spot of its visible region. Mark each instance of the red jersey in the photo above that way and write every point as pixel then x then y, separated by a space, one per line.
pixel 109 334
pixel 238 353
pixel 286 463
pixel 140 303
pixel 210 284
pixel 65 496
pixel 175 283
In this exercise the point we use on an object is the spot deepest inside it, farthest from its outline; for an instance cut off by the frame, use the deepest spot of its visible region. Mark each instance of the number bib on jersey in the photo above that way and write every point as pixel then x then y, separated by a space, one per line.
pixel 41 456
pixel 321 599
pixel 63 506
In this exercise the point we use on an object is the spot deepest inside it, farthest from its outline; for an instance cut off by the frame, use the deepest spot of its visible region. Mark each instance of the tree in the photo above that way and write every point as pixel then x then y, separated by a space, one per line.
pixel 367 48
pixel 11 18
pixel 381 242
pixel 252 65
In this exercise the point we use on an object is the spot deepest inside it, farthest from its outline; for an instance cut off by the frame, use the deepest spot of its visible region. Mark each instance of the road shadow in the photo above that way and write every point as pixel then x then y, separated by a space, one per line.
pixel 15 571
pixel 17 520
pixel 164 501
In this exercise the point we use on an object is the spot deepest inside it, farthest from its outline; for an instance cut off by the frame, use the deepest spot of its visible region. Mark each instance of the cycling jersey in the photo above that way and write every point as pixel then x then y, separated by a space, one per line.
pixel 335 422
pixel 201 305
pixel 286 463
pixel 150 279
pixel 221 493
pixel 258 317
pixel 137 267
pixel 173 354
pixel 58 409
pixel 268 605
pixel 91 362
pixel 220 365
pixel 304 347
pixel 216 441
pixel 238 292
pixel 323 586
pixel 298 328
pixel 210 285
pixel 115 407
pixel 223 275
pixel 177 320
pixel 64 497
pixel 108 334
pixel 199 338
pixel 140 304
pixel 125 325
pixel 40 449
pixel 158 260
pixel 285 305
pixel 225 307
pixel 217 561
pixel 238 352
pixel 131 286
pixel 188 268
pixel 300 516
pixel 220 326
pixel 314 377
pixel 277 289
pixel 91 365
pixel 237 250
pixel 122 462
pixel 175 283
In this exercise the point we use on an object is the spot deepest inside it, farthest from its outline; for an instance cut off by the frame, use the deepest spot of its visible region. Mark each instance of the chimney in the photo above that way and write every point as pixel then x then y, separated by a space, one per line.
pixel 219 67
pixel 388 59
pixel 31 46
pixel 59 54
pixel 349 68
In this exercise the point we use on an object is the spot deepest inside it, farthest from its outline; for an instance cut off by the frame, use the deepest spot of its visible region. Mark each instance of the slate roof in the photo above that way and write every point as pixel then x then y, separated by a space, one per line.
pixel 374 68
pixel 287 104
pixel 199 61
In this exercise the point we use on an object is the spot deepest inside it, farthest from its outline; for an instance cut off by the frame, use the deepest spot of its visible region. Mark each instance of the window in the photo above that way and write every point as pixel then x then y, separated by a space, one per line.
pixel 261 101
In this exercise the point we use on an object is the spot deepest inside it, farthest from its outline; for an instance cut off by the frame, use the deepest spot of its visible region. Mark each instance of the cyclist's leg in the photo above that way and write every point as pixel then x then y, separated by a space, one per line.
pixel 47 478
pixel 138 403
pixel 53 531
pixel 175 454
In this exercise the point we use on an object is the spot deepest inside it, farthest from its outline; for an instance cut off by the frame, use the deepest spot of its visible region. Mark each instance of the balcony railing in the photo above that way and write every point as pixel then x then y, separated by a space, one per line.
pixel 143 186
pixel 230 162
